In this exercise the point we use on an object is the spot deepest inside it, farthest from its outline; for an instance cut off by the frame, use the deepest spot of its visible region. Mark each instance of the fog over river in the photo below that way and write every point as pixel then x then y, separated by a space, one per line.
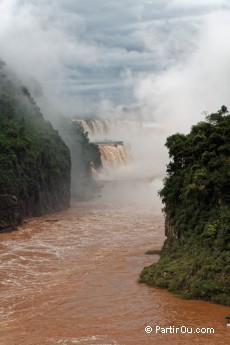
pixel 71 278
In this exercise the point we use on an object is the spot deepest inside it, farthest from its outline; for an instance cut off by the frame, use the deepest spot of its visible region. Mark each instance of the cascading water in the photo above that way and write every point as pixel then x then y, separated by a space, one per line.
pixel 96 129
pixel 114 155
pixel 99 130
pixel 129 148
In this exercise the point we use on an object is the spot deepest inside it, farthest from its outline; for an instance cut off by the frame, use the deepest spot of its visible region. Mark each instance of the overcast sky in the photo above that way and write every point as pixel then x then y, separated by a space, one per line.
pixel 171 55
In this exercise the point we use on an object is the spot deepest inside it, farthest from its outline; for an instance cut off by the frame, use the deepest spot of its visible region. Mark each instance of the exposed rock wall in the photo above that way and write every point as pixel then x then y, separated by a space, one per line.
pixel 9 212
pixel 170 230
pixel 34 161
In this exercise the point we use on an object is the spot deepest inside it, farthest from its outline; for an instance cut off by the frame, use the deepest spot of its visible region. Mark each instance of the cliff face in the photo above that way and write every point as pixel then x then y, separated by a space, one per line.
pixel 10 215
pixel 170 230
pixel 34 161
pixel 195 260
pixel 85 156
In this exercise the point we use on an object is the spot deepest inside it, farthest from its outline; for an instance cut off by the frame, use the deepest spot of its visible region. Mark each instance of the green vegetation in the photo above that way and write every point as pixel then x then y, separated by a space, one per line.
pixel 85 156
pixel 195 259
pixel 34 161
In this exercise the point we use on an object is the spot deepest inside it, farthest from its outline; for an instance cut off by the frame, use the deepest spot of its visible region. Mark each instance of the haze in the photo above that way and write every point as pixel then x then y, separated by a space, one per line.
pixel 168 57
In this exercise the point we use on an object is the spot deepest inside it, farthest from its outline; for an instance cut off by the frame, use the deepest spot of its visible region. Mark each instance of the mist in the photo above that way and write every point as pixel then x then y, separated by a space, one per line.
pixel 87 56
pixel 168 59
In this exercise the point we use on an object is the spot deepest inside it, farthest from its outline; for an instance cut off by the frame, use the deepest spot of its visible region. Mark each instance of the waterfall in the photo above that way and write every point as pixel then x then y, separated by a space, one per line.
pixel 116 129
pixel 114 155
pixel 96 129
pixel 129 148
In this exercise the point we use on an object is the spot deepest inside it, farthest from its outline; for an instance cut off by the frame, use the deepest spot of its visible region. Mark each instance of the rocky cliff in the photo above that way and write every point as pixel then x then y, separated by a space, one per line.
pixel 195 259
pixel 34 161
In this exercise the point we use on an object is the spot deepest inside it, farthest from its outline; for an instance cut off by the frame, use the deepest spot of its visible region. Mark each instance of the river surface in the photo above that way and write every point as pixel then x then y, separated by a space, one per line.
pixel 72 278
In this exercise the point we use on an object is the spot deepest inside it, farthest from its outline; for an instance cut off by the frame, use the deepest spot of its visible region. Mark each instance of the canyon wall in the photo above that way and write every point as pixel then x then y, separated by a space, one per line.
pixel 195 259
pixel 35 162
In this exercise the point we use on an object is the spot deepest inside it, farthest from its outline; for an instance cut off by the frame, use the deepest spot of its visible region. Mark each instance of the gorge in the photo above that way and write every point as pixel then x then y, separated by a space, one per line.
pixel 34 161
pixel 114 172
pixel 72 277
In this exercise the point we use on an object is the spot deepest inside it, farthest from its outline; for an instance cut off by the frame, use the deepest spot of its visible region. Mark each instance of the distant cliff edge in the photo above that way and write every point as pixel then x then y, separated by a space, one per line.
pixel 195 259
pixel 35 163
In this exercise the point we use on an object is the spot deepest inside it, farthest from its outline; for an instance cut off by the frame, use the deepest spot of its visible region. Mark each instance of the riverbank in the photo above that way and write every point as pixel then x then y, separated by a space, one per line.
pixel 195 260
pixel 191 271
pixel 74 280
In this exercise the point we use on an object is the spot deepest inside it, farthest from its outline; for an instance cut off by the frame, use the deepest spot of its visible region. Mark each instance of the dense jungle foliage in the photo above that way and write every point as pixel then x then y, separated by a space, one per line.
pixel 195 259
pixel 34 161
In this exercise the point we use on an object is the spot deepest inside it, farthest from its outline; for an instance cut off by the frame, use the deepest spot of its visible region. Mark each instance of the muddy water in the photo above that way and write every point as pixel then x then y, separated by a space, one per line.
pixel 71 278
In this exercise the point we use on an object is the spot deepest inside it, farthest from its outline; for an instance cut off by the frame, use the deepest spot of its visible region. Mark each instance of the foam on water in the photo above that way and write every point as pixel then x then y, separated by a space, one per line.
pixel 71 278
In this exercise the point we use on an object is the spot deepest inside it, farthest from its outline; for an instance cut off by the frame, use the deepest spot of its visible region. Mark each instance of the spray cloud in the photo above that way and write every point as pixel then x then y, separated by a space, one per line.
pixel 170 58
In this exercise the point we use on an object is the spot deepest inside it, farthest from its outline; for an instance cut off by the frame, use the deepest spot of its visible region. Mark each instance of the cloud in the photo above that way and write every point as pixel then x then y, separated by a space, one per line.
pixel 83 53
pixel 170 58
pixel 198 4
pixel 198 83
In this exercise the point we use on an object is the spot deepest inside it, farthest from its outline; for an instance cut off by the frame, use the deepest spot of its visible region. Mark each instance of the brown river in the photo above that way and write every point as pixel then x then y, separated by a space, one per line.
pixel 72 278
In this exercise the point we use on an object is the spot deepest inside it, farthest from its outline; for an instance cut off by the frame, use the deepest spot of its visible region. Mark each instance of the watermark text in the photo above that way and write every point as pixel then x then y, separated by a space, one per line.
pixel 181 330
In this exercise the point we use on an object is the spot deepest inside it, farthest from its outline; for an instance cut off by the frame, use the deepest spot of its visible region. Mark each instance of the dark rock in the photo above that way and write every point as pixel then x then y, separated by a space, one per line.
pixel 153 252
pixel 170 230
pixel 9 212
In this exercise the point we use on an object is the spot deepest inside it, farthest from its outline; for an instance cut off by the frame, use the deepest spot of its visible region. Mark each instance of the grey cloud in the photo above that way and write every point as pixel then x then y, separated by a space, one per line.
pixel 84 50
pixel 198 83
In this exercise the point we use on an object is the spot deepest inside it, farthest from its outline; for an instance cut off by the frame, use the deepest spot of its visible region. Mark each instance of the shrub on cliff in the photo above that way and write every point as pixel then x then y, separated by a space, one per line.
pixel 195 259
pixel 34 161
pixel 85 157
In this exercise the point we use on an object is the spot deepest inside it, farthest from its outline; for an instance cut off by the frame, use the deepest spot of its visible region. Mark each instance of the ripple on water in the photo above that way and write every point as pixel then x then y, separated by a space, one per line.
pixel 93 340
pixel 74 281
